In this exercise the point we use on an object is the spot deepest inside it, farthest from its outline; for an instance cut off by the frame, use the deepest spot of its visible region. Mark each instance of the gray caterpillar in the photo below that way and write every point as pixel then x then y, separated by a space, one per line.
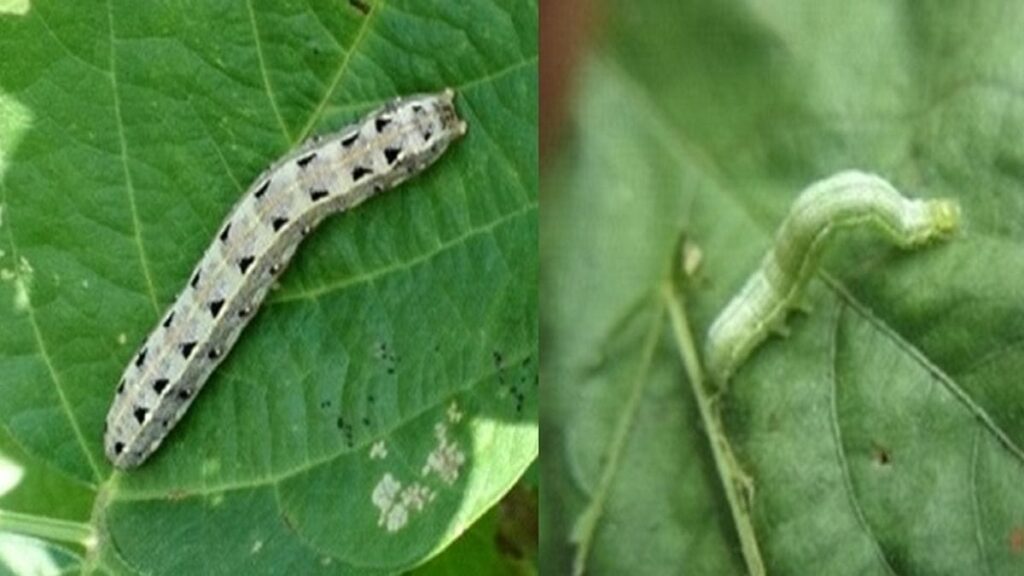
pixel 254 245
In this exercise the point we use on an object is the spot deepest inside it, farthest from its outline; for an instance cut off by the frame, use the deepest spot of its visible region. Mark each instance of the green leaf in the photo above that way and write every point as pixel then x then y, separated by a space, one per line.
pixel 408 326
pixel 884 435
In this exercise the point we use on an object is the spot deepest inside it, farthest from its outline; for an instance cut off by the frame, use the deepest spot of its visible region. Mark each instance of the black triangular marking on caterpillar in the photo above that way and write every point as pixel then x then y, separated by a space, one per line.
pixel 160 385
pixel 195 279
pixel 427 136
pixel 245 262
pixel 118 447
pixel 187 348
pixel 278 223
pixel 305 160
pixel 391 154
pixel 381 122
pixel 140 414
pixel 262 190
pixel 350 140
pixel 245 311
pixel 215 307
pixel 315 194
pixel 275 268
pixel 358 172
pixel 141 358
pixel 120 387
pixel 184 394
pixel 214 353
pixel 170 317
pixel 224 234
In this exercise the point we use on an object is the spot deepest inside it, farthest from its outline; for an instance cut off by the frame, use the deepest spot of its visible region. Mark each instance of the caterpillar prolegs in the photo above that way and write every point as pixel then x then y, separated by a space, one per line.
pixel 253 246
pixel 845 199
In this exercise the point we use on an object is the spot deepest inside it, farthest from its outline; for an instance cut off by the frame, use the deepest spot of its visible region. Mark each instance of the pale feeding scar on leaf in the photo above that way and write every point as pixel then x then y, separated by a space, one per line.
pixel 254 245
pixel 846 199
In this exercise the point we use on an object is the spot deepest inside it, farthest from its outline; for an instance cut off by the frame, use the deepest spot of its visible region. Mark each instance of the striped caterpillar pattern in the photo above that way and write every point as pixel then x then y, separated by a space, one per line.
pixel 846 199
pixel 253 246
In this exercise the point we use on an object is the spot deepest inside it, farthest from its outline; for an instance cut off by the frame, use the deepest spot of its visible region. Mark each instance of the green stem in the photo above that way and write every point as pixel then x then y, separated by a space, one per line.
pixel 734 479
pixel 48 528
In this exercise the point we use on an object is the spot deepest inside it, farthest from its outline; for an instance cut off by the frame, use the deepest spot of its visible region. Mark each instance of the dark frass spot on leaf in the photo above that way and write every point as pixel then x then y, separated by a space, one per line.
pixel 366 421
pixel 497 359
pixel 160 384
pixel 324 405
pixel 262 189
pixel 279 223
pixel 359 172
pixel 215 307
pixel 316 195
pixel 140 358
pixel 882 456
pixel 245 263
pixel 140 414
pixel 187 348
pixel 305 160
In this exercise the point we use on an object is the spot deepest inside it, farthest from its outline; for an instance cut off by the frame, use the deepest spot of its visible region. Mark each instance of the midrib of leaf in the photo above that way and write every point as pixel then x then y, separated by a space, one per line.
pixel 911 351
pixel 844 469
pixel 585 529
pixel 342 68
pixel 129 184
pixel 41 345
pixel 263 71
pixel 733 479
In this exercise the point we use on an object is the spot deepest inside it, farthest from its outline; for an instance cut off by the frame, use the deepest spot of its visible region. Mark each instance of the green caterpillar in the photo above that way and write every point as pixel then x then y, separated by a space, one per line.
pixel 845 199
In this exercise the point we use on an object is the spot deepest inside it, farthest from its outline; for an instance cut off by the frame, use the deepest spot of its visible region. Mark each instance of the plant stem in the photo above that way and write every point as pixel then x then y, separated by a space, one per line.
pixel 734 480
pixel 48 528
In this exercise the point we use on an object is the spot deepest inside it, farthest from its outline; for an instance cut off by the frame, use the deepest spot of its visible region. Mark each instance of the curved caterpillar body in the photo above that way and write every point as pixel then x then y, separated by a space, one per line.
pixel 253 246
pixel 845 199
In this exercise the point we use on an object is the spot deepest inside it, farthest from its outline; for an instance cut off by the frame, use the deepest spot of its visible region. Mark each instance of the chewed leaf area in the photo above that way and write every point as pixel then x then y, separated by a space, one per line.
pixel 116 175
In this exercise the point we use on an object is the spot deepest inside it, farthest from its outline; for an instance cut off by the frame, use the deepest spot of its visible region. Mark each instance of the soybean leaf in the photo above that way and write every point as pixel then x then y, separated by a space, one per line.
pixel 384 398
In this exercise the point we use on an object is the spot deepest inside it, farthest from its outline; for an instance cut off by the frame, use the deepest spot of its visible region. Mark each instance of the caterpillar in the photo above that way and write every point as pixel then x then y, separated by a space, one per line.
pixel 253 247
pixel 845 199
